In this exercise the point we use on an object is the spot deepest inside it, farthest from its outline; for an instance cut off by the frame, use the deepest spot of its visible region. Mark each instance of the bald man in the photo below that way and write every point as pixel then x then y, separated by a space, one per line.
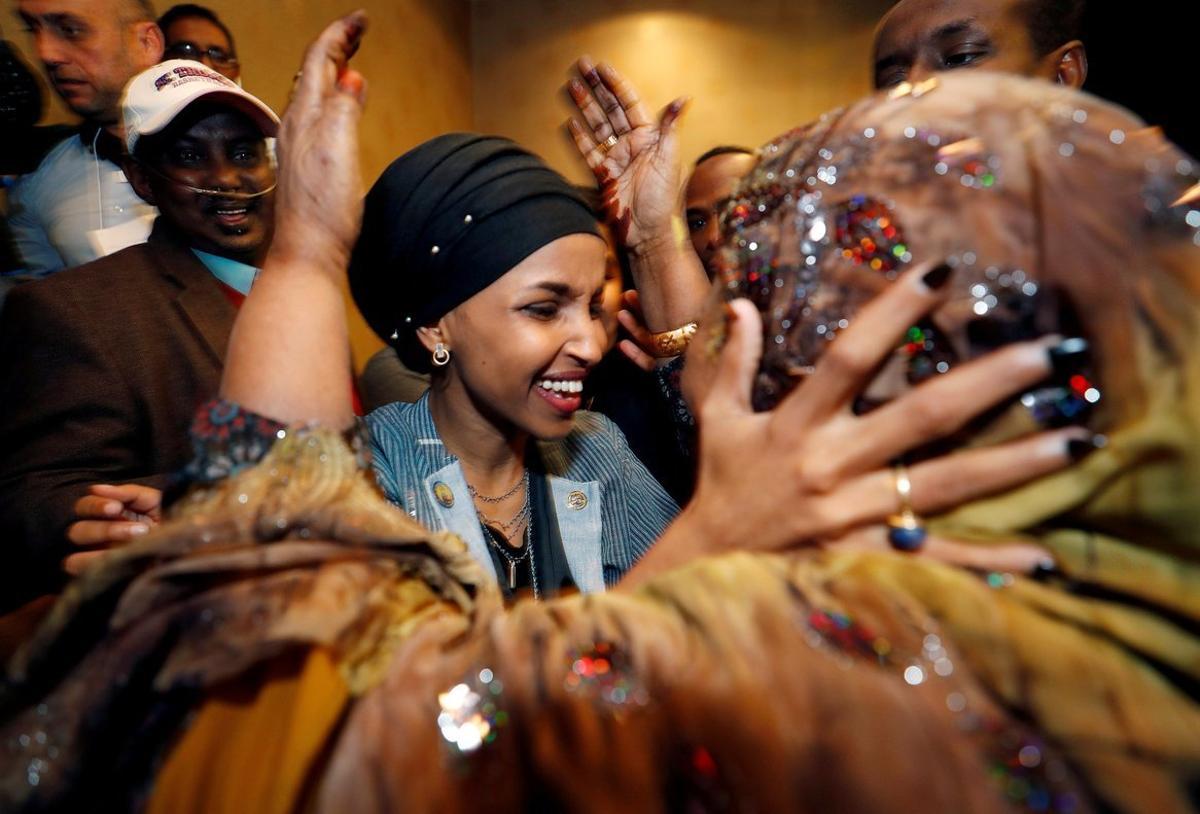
pixel 77 205
pixel 1036 38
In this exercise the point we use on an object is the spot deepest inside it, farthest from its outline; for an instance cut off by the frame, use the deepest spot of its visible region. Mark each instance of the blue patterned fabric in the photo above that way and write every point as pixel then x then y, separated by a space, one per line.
pixel 610 509
pixel 226 439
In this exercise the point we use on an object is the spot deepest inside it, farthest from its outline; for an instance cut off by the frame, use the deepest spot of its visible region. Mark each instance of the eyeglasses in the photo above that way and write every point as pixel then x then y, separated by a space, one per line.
pixel 189 50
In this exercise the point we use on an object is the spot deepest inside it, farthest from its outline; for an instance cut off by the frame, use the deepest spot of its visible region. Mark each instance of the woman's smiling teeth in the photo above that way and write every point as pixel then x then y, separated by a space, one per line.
pixel 561 385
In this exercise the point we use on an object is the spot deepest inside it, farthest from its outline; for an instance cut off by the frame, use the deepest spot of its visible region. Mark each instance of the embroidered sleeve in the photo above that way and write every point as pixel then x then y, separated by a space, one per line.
pixel 226 438
pixel 668 377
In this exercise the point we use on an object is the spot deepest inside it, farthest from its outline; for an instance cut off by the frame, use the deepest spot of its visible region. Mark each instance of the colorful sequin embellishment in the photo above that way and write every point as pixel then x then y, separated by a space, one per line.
pixel 966 159
pixel 844 634
pixel 1020 767
pixel 928 353
pixel 605 673
pixel 470 712
pixel 868 234
pixel 1062 406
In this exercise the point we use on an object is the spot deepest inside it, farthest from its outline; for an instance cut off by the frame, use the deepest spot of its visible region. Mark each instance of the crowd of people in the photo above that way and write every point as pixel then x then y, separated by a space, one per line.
pixel 851 472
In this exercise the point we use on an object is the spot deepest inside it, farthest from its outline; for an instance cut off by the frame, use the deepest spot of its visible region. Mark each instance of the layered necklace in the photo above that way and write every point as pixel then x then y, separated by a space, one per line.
pixel 491 528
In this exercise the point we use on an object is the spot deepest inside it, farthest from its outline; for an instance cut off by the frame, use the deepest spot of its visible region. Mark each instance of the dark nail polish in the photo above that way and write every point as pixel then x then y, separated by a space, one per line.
pixel 1045 571
pixel 937 277
pixel 1069 356
pixel 593 77
pixel 1080 448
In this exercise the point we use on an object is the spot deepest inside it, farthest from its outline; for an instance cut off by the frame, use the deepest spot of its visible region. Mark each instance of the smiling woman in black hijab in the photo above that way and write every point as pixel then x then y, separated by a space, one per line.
pixel 484 267
pixel 480 264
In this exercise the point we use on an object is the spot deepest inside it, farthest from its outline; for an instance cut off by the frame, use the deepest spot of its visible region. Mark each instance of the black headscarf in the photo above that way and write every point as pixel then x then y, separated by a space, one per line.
pixel 445 221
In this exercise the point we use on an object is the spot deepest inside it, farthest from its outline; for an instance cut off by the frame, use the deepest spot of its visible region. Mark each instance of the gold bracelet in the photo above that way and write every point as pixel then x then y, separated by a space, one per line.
pixel 672 343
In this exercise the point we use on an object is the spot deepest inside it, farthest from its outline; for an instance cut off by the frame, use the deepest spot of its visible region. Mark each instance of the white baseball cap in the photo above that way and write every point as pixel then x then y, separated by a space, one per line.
pixel 157 95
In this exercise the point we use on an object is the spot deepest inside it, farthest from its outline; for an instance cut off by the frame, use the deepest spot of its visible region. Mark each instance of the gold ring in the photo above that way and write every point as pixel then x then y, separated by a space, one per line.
pixel 672 343
pixel 609 143
pixel 906 532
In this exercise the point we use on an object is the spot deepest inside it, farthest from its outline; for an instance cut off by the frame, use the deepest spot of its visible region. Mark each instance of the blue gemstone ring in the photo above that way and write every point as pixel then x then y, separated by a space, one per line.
pixel 906 532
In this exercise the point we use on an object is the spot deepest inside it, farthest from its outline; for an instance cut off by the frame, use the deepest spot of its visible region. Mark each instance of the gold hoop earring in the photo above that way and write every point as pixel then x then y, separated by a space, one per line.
pixel 441 355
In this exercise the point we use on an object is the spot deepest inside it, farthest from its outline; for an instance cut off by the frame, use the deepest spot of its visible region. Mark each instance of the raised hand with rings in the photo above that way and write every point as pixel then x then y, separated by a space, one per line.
pixel 635 159
pixel 633 155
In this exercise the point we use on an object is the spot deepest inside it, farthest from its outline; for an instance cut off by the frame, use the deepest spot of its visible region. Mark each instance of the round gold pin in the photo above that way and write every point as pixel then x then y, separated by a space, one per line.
pixel 443 494
pixel 577 500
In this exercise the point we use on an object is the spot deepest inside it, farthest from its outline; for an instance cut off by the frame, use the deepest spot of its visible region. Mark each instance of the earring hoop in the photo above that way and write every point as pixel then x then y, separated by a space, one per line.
pixel 441 355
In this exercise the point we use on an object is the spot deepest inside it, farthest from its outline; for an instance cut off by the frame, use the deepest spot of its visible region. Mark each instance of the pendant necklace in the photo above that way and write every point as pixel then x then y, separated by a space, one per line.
pixel 494 530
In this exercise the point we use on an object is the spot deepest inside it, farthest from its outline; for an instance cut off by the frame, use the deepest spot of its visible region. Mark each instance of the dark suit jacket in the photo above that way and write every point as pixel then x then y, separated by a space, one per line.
pixel 101 370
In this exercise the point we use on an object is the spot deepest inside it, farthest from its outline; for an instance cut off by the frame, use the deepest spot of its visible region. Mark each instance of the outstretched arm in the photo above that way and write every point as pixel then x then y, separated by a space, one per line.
pixel 289 354
pixel 812 472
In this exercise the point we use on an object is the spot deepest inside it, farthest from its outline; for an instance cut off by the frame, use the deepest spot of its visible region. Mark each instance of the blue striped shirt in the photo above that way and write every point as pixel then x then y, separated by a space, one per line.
pixel 610 509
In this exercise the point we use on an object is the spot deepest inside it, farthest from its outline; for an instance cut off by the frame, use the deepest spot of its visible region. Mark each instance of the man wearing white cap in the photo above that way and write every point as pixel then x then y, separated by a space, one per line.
pixel 103 365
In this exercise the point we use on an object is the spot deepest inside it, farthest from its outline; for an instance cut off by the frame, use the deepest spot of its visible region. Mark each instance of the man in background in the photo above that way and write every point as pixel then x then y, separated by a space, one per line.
pixel 104 365
pixel 195 32
pixel 1035 38
pixel 714 178
pixel 77 205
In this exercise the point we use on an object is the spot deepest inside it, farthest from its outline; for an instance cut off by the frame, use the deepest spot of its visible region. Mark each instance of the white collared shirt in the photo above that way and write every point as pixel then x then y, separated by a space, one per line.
pixel 74 208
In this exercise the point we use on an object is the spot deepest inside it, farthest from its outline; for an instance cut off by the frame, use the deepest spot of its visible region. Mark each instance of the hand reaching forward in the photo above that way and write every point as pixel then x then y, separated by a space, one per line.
pixel 812 472
pixel 639 347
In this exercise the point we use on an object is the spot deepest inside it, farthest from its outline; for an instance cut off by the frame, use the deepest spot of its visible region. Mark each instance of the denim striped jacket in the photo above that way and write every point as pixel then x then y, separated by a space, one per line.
pixel 609 508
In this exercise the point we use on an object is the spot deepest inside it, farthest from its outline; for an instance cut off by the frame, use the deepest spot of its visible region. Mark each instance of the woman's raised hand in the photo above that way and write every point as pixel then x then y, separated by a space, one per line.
pixel 634 157
pixel 289 354
pixel 319 207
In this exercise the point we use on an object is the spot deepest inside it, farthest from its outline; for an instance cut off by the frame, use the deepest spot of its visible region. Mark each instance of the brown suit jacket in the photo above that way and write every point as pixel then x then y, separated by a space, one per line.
pixel 101 370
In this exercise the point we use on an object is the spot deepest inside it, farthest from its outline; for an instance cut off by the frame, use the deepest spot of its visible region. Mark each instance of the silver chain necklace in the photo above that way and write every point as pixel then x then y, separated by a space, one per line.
pixel 513 562
pixel 513 522
pixel 524 481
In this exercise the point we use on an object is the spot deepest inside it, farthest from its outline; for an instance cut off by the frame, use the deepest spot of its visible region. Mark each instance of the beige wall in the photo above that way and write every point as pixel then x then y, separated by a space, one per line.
pixel 754 68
